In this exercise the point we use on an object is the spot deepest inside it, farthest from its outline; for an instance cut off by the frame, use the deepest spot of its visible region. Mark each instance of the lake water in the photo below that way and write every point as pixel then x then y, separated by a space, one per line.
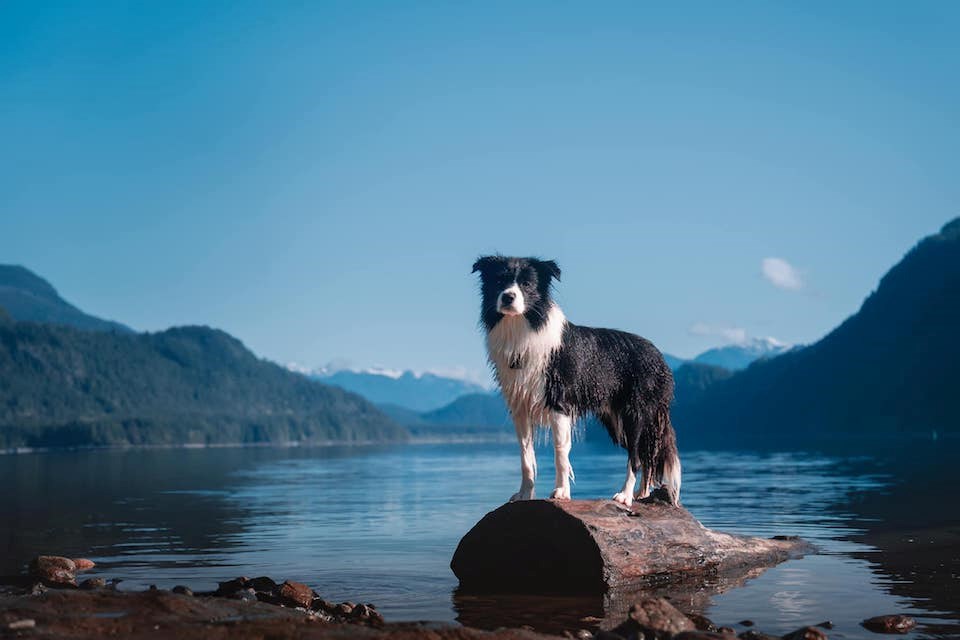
pixel 380 524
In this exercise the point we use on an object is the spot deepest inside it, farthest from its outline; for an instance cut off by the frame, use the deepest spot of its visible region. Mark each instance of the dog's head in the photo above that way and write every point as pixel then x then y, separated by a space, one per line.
pixel 515 287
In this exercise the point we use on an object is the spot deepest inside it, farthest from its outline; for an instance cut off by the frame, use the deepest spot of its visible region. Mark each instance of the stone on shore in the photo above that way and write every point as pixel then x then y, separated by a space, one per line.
pixel 296 594
pixel 654 618
pixel 54 570
pixel 594 546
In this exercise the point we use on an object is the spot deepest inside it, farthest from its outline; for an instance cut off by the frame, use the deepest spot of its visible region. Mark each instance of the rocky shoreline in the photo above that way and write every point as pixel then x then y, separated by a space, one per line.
pixel 50 602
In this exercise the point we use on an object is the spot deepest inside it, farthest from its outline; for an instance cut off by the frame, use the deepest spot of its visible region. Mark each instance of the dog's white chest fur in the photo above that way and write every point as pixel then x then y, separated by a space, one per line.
pixel 520 357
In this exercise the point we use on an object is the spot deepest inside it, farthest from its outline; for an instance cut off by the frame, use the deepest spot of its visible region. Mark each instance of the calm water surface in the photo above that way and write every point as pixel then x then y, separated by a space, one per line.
pixel 380 524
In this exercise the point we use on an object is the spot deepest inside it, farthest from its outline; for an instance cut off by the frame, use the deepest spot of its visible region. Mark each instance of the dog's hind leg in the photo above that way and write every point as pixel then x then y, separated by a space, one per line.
pixel 646 479
pixel 625 496
pixel 562 426
pixel 528 458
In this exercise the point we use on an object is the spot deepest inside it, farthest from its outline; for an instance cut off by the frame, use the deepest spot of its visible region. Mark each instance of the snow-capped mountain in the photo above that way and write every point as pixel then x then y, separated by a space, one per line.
pixel 418 391
pixel 735 357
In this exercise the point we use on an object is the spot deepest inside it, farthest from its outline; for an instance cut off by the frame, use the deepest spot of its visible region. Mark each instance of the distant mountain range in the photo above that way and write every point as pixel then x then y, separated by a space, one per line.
pixel 29 298
pixel 733 357
pixel 417 392
pixel 736 357
pixel 891 368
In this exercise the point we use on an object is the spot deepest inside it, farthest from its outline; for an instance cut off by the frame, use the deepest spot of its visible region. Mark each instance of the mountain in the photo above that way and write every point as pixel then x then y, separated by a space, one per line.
pixel 735 357
pixel 673 361
pixel 61 386
pixel 693 378
pixel 891 368
pixel 28 297
pixel 418 392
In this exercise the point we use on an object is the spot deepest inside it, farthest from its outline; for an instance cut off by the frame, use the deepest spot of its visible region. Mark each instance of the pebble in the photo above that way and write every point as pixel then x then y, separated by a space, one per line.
pixel 26 623
pixel 182 590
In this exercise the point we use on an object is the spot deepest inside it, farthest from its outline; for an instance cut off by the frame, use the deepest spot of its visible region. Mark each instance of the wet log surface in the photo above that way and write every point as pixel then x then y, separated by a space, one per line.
pixel 597 546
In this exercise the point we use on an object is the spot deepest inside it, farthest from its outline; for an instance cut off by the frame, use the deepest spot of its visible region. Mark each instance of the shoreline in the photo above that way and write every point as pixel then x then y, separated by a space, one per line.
pixel 295 444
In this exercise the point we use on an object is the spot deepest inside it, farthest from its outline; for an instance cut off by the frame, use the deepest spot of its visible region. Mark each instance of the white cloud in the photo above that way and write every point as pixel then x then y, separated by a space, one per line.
pixel 730 335
pixel 781 274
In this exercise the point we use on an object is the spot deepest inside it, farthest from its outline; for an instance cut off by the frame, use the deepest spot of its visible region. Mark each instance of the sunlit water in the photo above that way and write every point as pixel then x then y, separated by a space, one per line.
pixel 380 524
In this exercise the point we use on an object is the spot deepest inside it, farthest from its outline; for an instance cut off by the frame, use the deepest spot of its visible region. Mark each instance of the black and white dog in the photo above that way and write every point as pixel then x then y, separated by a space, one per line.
pixel 553 372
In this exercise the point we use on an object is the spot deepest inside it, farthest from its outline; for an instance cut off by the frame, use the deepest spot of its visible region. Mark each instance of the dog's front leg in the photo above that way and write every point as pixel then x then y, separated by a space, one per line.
pixel 528 458
pixel 562 434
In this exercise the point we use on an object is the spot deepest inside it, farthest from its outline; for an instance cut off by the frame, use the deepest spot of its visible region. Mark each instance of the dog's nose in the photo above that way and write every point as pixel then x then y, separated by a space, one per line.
pixel 506 298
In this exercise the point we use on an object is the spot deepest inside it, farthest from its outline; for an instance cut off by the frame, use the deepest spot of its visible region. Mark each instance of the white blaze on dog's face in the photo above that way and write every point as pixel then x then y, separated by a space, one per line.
pixel 510 302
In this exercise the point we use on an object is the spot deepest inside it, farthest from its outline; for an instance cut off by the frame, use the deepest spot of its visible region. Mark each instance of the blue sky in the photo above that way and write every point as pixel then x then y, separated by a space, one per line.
pixel 317 178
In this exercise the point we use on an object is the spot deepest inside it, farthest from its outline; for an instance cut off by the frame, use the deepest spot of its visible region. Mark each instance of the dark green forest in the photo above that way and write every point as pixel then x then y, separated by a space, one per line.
pixel 60 386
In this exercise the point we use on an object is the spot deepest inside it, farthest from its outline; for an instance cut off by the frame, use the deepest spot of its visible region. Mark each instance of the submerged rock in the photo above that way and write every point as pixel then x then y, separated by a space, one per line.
pixel 93 583
pixel 890 624
pixel 806 633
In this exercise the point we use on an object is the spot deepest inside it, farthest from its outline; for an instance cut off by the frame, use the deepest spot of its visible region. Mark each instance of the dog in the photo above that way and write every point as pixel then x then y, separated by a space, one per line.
pixel 553 372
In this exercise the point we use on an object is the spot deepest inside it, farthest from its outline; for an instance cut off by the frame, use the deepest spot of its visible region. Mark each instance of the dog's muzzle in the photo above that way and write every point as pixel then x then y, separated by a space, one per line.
pixel 510 302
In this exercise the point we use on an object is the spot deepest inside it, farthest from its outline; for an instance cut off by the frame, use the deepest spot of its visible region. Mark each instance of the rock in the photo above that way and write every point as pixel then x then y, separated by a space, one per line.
pixel 826 624
pixel 54 570
pixel 604 547
pixel 230 586
pixel 93 583
pixel 25 623
pixel 83 564
pixel 702 623
pixel 746 623
pixel 296 594
pixel 43 563
pixel 655 618
pixel 890 624
pixel 182 590
pixel 319 604
pixel 806 633
pixel 701 635
pixel 361 611
pixel 730 631
pixel 262 583
pixel 343 609
pixel 247 595
pixel 38 589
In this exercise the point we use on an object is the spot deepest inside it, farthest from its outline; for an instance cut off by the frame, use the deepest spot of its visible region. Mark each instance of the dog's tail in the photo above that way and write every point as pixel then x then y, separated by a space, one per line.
pixel 668 459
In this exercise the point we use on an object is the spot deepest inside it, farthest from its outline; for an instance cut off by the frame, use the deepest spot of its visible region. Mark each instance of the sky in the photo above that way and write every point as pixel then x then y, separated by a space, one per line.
pixel 317 178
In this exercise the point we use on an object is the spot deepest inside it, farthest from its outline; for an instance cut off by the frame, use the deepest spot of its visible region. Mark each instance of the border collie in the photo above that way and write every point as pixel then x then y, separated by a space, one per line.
pixel 553 372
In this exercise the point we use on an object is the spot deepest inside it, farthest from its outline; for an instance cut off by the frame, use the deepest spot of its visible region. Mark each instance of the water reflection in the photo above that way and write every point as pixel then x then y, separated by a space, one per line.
pixel 379 524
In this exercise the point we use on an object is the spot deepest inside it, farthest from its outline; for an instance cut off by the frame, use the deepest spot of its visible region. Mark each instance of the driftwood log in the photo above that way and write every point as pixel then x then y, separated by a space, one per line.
pixel 597 546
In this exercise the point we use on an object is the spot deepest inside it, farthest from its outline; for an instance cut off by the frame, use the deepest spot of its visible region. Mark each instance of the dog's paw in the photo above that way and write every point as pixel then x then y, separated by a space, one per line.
pixel 623 498
pixel 560 493
pixel 523 494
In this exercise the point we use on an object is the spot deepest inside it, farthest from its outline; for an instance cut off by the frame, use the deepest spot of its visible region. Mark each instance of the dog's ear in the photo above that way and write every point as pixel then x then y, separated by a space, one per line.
pixel 485 262
pixel 548 267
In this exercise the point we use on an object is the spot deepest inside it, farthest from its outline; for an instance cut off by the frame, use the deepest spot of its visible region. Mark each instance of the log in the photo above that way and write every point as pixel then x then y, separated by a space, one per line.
pixel 598 546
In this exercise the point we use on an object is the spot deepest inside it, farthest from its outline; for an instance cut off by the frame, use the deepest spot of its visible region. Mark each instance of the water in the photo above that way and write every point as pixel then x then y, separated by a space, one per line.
pixel 380 524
